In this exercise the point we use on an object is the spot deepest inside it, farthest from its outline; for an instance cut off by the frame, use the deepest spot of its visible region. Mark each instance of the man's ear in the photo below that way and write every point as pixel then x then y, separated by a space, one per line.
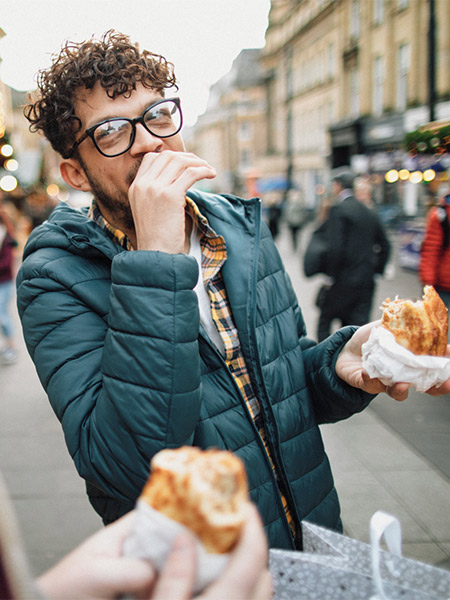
pixel 73 174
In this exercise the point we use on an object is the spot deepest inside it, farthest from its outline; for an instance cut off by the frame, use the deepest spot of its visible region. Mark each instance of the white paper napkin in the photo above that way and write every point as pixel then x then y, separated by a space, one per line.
pixel 152 536
pixel 384 358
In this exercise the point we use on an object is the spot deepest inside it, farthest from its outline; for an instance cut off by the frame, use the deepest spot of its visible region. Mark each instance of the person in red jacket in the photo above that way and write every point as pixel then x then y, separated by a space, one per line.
pixel 8 354
pixel 434 266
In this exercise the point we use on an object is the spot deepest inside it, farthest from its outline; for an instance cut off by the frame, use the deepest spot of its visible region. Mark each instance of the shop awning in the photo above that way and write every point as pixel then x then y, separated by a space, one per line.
pixel 272 184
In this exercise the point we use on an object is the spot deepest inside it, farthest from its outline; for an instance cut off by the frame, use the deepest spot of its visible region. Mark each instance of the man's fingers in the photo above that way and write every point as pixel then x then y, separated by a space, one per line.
pixel 178 575
pixel 246 571
pixel 263 590
pixel 166 167
pixel 398 391
pixel 190 176
pixel 131 575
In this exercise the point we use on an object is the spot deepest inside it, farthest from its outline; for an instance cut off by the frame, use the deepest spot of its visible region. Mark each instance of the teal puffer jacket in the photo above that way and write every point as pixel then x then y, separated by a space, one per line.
pixel 116 340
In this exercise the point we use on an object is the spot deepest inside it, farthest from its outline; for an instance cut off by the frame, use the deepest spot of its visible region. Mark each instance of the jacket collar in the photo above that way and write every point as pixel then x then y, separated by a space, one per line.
pixel 70 228
pixel 237 220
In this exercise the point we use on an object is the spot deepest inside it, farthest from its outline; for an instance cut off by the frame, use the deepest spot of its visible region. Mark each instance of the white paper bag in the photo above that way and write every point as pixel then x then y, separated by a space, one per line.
pixel 384 358
pixel 152 536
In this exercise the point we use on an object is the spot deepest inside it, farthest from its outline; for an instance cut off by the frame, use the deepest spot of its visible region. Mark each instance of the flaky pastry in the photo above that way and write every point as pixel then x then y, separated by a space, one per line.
pixel 419 326
pixel 205 490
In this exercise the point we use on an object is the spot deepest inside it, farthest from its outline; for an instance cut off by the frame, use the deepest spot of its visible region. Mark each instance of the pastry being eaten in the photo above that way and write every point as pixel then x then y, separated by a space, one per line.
pixel 204 490
pixel 419 326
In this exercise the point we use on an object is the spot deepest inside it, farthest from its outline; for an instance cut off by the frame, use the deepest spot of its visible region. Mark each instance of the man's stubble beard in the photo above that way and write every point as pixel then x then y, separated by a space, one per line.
pixel 117 205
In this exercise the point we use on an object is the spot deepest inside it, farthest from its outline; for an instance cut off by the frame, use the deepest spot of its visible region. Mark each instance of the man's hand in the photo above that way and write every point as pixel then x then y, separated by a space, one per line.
pixel 246 576
pixel 157 198
pixel 96 569
pixel 349 368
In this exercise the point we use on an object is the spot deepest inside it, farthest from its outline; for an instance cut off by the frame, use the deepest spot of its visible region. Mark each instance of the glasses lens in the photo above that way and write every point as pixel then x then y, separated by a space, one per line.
pixel 164 119
pixel 113 137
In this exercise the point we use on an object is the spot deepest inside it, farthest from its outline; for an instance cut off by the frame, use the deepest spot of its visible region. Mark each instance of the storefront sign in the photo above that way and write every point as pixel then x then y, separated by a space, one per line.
pixel 410 237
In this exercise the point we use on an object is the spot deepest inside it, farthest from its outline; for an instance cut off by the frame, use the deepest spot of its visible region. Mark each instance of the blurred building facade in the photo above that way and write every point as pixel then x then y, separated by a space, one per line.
pixel 232 132
pixel 31 180
pixel 338 82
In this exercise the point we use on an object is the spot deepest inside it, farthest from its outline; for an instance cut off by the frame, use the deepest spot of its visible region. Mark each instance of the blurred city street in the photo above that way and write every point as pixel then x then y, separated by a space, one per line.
pixel 394 456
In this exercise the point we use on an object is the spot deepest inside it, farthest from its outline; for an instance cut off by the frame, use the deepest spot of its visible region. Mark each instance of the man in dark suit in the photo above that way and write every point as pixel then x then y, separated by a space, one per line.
pixel 358 249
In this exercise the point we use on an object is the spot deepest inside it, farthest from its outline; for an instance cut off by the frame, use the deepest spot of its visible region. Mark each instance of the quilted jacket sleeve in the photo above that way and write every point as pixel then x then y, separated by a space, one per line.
pixel 123 384
pixel 333 399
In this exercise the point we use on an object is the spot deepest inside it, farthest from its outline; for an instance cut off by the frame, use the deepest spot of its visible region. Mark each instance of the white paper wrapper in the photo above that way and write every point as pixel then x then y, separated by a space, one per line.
pixel 392 363
pixel 152 536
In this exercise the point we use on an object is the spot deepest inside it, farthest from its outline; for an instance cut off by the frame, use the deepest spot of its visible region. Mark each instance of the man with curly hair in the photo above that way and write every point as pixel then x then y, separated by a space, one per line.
pixel 163 316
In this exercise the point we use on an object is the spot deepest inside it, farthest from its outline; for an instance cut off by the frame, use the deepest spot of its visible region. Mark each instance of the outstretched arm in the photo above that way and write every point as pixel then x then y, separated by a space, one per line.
pixel 97 569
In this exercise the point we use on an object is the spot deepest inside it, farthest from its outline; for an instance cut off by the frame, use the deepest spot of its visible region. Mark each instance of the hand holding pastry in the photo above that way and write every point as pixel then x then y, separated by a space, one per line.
pixel 411 344
pixel 201 493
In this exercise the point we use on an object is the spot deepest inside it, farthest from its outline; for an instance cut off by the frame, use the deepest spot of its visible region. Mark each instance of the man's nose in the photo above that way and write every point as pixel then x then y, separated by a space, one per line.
pixel 145 142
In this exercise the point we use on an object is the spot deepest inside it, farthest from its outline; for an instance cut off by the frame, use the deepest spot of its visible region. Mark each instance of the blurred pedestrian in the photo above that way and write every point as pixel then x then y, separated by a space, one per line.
pixel 38 206
pixel 274 208
pixel 363 190
pixel 357 250
pixel 294 214
pixel 8 353
pixel 434 267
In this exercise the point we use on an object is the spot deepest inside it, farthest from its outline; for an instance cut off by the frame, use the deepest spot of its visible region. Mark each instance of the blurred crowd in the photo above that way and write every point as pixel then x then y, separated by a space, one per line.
pixel 355 234
pixel 20 213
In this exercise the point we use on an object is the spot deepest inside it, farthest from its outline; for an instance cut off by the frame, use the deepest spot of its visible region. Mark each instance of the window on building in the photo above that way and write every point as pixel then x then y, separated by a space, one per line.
pixel 402 76
pixel 289 78
pixel 245 130
pixel 331 112
pixel 289 84
pixel 296 133
pixel 378 11
pixel 378 86
pixel 245 157
pixel 321 128
pixel 307 73
pixel 320 67
pixel 354 93
pixel 355 19
pixel 331 61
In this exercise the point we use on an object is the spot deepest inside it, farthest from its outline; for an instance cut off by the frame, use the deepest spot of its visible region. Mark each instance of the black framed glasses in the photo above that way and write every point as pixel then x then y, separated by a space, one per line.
pixel 115 136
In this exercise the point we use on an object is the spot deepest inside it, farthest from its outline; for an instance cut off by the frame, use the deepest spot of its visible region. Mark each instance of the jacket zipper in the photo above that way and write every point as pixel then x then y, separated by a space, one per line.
pixel 255 429
pixel 269 423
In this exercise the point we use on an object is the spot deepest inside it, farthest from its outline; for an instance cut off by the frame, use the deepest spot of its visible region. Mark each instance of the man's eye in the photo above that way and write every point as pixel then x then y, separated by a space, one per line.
pixel 110 130
pixel 159 118
pixel 103 133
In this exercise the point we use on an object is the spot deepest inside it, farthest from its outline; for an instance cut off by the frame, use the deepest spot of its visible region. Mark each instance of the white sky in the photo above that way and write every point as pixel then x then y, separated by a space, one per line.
pixel 201 37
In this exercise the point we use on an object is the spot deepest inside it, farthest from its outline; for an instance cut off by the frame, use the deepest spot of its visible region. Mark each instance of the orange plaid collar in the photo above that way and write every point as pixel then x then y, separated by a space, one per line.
pixel 123 240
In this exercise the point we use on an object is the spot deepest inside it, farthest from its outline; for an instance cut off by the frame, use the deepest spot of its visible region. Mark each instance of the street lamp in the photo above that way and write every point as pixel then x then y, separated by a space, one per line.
pixel 8 183
pixel 432 59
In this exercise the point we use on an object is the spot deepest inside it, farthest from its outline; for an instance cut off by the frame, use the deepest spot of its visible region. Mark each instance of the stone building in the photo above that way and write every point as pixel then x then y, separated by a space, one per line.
pixel 341 83
pixel 231 133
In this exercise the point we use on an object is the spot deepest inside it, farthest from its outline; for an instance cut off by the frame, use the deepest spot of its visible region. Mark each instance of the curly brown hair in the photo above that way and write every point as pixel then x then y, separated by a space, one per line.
pixel 113 61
